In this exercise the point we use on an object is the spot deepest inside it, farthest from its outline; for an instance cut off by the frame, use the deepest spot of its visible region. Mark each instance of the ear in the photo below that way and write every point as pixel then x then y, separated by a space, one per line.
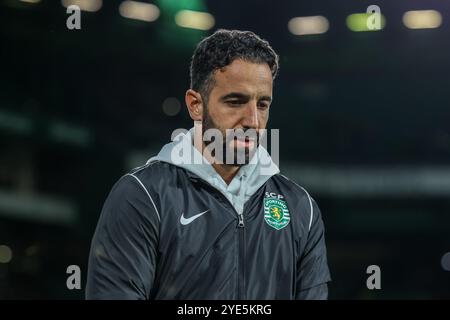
pixel 194 104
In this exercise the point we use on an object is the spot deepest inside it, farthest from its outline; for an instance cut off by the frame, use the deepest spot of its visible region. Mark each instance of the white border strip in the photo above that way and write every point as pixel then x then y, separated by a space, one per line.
pixel 309 198
pixel 145 189
pixel 311 206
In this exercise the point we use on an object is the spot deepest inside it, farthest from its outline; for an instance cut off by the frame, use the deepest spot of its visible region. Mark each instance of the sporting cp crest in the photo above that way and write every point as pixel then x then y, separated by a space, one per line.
pixel 276 213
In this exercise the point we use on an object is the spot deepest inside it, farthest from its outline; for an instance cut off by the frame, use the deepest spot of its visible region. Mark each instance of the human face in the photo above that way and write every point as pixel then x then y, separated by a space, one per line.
pixel 240 99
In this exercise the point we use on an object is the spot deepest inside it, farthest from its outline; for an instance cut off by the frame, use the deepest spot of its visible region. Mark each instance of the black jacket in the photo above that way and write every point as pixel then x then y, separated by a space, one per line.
pixel 164 233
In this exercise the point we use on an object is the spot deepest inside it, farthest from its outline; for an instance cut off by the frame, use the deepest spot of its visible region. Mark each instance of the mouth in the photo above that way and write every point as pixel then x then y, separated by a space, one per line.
pixel 244 142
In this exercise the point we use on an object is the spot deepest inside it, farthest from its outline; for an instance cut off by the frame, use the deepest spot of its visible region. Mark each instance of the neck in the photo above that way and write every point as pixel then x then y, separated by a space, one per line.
pixel 227 172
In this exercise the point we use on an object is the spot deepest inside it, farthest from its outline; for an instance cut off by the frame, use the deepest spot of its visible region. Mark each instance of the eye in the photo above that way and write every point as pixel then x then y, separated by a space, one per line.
pixel 263 105
pixel 234 102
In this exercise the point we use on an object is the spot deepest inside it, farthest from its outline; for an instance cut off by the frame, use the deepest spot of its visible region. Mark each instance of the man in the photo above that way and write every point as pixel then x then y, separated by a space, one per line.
pixel 214 229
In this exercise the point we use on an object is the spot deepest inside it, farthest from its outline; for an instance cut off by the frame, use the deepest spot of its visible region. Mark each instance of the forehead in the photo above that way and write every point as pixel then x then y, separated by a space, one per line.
pixel 244 76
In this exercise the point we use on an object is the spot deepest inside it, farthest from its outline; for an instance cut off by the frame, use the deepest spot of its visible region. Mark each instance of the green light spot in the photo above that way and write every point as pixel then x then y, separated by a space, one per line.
pixel 358 22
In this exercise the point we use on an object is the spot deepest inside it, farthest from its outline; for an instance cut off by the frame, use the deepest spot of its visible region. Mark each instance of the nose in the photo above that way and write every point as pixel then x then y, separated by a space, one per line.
pixel 251 116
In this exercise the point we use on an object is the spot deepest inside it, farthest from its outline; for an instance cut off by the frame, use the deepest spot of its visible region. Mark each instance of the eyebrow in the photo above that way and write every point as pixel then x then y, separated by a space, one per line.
pixel 238 95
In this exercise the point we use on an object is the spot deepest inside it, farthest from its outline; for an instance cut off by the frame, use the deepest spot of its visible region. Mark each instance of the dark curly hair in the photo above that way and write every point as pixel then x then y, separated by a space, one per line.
pixel 221 49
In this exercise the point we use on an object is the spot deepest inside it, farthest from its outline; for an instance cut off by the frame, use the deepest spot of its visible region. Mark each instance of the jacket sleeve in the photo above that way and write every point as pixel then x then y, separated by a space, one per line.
pixel 123 253
pixel 312 268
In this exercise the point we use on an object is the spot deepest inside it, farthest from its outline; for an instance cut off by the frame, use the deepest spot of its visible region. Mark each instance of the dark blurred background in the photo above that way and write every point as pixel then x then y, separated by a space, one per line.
pixel 363 118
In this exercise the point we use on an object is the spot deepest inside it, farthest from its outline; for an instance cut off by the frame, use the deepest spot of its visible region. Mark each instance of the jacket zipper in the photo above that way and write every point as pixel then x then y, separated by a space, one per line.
pixel 241 259
pixel 241 249
pixel 241 220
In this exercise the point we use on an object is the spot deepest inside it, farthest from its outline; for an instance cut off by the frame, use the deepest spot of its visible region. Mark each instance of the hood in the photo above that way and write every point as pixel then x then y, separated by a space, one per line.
pixel 250 177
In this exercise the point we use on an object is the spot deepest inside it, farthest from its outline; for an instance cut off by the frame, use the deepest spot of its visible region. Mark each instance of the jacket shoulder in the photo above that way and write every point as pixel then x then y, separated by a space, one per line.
pixel 291 186
pixel 154 173
pixel 157 177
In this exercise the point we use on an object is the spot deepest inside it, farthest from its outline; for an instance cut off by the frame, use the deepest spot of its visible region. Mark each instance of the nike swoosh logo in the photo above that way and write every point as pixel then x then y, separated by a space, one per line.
pixel 185 221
